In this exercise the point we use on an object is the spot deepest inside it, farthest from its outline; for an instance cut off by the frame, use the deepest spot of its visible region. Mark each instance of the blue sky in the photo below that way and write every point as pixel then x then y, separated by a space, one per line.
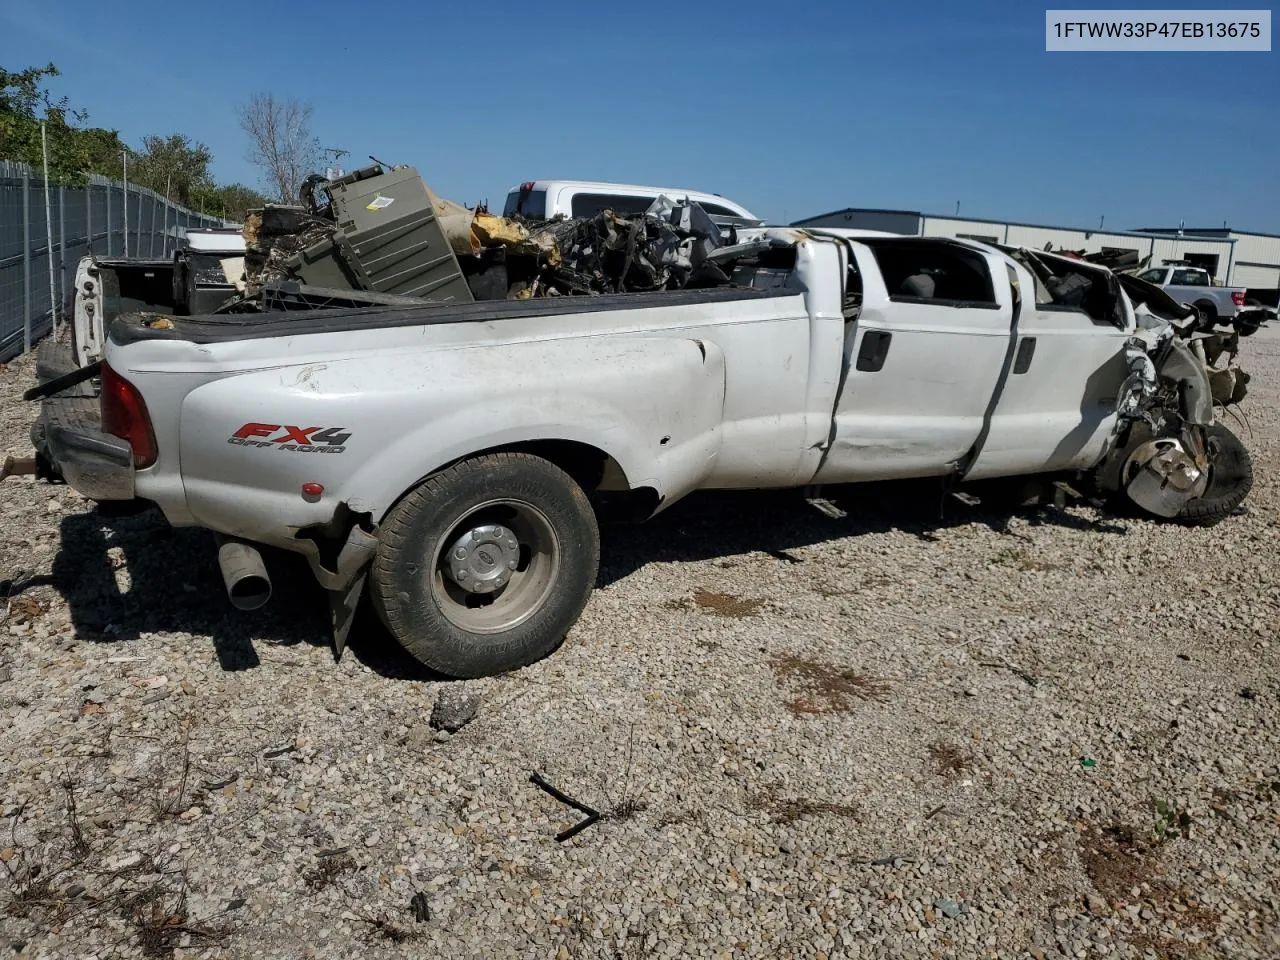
pixel 791 109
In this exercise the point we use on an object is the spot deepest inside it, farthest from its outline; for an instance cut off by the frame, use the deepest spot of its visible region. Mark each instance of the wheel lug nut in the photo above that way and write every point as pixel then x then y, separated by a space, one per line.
pixel 460 553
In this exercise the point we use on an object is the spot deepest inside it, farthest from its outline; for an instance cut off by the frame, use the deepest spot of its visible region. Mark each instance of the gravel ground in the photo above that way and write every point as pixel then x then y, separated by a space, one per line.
pixel 974 732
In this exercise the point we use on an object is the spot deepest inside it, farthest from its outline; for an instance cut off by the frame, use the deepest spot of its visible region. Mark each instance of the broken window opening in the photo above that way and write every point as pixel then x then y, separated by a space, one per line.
pixel 851 306
pixel 939 273
pixel 768 270
pixel 1062 287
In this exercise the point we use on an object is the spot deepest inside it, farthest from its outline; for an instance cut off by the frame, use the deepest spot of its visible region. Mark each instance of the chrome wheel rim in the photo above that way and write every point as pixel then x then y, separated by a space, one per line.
pixel 496 566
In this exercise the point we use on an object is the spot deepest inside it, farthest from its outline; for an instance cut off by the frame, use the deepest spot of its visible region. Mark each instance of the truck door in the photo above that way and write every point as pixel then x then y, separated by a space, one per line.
pixel 1057 405
pixel 923 359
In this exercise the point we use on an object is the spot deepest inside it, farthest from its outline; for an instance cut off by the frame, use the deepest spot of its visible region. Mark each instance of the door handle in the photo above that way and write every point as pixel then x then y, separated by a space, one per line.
pixel 874 349
pixel 1026 350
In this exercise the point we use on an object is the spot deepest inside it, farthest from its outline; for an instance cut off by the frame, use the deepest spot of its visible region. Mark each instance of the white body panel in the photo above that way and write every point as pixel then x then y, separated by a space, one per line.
pixel 923 410
pixel 560 194
pixel 229 241
pixel 741 391
pixel 1060 412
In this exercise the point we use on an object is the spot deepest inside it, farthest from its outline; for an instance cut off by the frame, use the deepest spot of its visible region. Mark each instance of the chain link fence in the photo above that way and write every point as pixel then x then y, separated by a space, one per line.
pixel 38 256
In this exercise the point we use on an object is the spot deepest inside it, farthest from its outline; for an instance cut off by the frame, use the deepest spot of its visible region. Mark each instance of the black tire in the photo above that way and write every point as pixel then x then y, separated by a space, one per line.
pixel 1208 314
pixel 1246 328
pixel 1230 479
pixel 437 621
pixel 53 360
pixel 45 468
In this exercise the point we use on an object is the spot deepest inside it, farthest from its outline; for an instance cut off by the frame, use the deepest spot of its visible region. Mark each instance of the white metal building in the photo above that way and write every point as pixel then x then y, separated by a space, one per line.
pixel 1234 258
pixel 1256 261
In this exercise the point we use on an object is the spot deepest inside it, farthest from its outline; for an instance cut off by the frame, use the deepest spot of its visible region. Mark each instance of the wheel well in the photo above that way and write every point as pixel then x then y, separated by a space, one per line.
pixel 596 472
pixel 587 465
pixel 1212 307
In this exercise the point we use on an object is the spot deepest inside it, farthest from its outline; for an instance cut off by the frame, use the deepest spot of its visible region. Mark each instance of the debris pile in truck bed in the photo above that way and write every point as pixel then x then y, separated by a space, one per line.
pixel 666 248
pixel 274 235
pixel 440 250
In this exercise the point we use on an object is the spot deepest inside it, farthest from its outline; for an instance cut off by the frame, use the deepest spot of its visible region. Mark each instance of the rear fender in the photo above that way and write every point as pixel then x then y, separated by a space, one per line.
pixel 654 405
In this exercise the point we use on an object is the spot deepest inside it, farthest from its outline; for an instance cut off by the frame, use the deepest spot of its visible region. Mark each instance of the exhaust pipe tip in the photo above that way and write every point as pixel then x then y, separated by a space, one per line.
pixel 249 593
pixel 243 574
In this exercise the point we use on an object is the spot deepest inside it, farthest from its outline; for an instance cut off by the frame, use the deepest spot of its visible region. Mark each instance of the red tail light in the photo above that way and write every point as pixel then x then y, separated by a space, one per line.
pixel 1237 297
pixel 124 415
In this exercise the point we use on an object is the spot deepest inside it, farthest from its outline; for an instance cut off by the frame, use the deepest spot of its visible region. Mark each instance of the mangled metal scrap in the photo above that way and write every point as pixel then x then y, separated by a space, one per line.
pixel 387 232
pixel 667 247
pixel 273 237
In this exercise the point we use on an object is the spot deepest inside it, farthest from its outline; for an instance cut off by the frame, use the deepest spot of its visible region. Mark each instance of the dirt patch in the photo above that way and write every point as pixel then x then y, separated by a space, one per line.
pixel 1021 559
pixel 725 604
pixel 790 809
pixel 824 688
pixel 829 591
pixel 24 609
pixel 949 760
pixel 327 871
pixel 1116 861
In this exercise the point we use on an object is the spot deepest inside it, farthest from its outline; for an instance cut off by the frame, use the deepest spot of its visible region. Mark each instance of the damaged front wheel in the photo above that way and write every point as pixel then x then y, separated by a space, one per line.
pixel 1230 479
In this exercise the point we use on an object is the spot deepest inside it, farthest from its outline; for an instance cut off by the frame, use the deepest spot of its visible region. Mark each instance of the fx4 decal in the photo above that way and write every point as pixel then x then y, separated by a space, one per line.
pixel 297 439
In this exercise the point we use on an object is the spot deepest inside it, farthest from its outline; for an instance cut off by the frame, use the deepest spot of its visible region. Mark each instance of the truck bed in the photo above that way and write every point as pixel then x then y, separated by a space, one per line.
pixel 221 328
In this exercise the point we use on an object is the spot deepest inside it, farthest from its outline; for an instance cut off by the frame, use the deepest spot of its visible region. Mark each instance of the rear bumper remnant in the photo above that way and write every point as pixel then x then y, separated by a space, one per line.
pixel 95 464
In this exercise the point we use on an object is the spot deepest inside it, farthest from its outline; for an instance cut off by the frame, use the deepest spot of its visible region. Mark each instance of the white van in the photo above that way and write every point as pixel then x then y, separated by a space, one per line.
pixel 584 198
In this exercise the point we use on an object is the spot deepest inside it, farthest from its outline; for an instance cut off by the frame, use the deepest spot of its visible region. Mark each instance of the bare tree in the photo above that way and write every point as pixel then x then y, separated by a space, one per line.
pixel 280 142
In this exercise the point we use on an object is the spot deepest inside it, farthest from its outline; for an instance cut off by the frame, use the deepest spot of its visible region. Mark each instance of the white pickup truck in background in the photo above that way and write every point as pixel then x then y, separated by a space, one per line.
pixel 443 456
pixel 1194 287
pixel 547 199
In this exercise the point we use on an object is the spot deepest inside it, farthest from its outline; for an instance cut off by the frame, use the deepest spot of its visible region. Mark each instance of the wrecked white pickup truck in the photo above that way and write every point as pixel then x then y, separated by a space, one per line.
pixel 442 456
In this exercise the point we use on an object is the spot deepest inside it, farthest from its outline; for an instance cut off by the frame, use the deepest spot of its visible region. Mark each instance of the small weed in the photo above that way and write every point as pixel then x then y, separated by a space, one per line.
pixel 170 802
pixel 1171 822
pixel 31 890
pixel 949 761
pixel 824 688
pixel 627 809
pixel 329 869
pixel 161 927
pixel 629 806
pixel 79 846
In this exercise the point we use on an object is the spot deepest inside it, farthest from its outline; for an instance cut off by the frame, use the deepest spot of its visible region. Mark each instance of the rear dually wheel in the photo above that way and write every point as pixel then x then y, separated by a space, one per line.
pixel 485 566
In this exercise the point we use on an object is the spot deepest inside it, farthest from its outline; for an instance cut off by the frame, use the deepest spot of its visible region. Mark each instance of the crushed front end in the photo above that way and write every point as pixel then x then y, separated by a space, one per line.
pixel 1172 456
